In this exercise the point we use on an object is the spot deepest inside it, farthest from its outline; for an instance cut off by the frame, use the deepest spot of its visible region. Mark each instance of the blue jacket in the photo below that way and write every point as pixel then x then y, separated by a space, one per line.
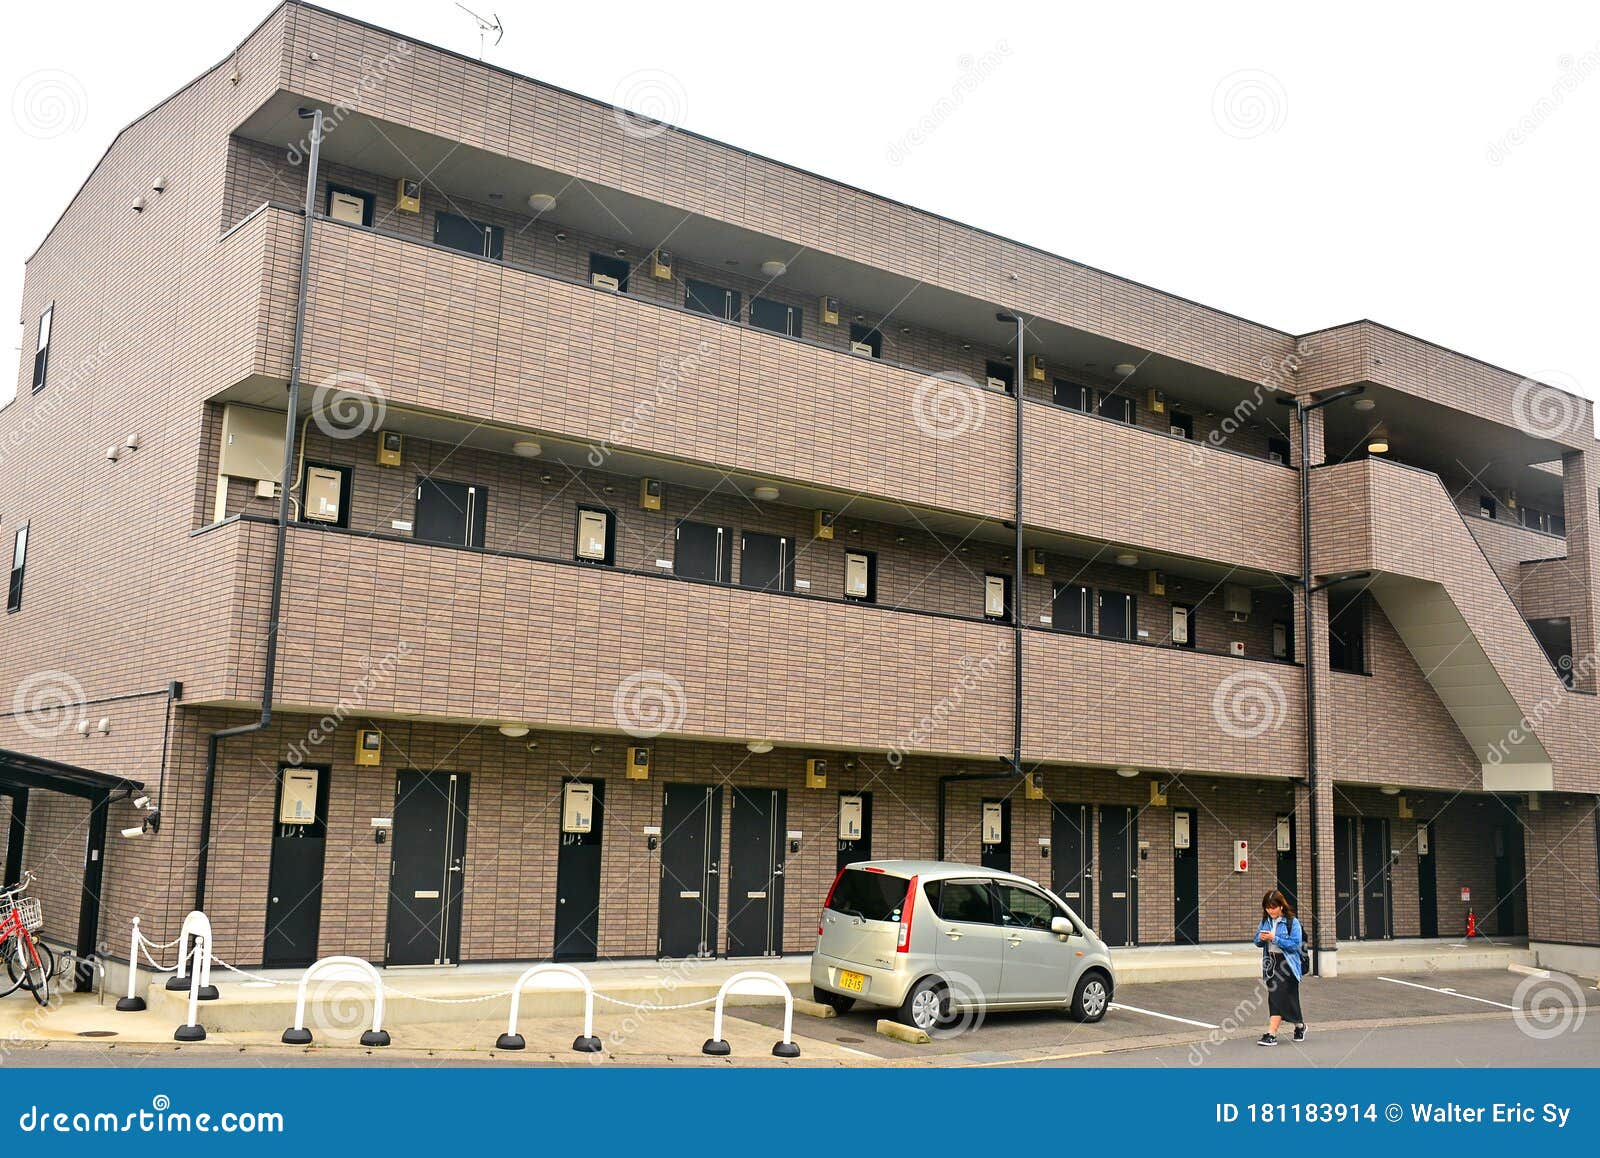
pixel 1287 936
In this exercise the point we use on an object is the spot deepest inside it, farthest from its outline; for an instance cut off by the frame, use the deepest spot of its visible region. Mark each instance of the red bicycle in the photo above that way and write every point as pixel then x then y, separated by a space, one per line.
pixel 29 962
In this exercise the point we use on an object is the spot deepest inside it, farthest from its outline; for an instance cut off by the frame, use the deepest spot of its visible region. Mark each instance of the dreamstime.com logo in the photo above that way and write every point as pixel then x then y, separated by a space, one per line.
pixel 648 102
pixel 1549 1006
pixel 47 703
pixel 948 405
pixel 348 404
pixel 49 104
pixel 1249 103
pixel 1546 405
pixel 158 1118
pixel 1249 704
pixel 648 703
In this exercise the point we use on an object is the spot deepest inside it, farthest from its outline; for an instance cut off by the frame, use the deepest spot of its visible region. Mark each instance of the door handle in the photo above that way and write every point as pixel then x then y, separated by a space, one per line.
pixel 953 934
pixel 274 900
pixel 1013 941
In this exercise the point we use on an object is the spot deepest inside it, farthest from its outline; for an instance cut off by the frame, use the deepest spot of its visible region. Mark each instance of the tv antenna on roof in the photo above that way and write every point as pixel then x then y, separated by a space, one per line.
pixel 485 27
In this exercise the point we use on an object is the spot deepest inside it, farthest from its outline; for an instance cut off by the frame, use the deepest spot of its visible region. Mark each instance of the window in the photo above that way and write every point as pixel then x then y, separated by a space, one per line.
pixel 613 269
pixel 966 902
pixel 999 374
pixel 870 896
pixel 1182 625
pixel 1022 908
pixel 19 560
pixel 1116 615
pixel 1278 450
pixel 352 206
pixel 1181 425
pixel 1537 520
pixel 1347 633
pixel 766 314
pixel 704 298
pixel 861 576
pixel 1282 639
pixel 1116 406
pixel 597 536
pixel 325 496
pixel 1486 506
pixel 455 232
pixel 868 337
pixel 1070 609
pixel 1073 395
pixel 997 597
pixel 41 355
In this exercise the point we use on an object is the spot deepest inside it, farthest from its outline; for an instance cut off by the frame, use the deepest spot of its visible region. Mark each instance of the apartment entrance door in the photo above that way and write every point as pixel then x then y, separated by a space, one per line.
pixel 1377 880
pixel 755 872
pixel 450 512
pixel 1428 885
pixel 997 854
pixel 427 868
pixel 1072 849
pixel 294 882
pixel 1185 877
pixel 1346 885
pixel 578 886
pixel 1119 875
pixel 691 866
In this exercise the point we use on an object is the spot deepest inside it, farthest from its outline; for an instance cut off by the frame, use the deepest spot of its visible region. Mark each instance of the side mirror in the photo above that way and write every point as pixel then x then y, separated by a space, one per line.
pixel 1062 927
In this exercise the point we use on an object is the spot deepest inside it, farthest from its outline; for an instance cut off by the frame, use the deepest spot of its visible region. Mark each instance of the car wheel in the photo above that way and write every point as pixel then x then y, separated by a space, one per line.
pixel 927 1006
pixel 1092 997
pixel 837 1002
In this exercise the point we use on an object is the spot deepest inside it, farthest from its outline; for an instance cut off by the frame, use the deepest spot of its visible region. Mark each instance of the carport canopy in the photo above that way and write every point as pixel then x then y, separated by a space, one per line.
pixel 21 774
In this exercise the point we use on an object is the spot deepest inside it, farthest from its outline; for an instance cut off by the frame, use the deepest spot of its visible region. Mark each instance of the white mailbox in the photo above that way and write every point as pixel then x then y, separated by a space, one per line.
pixel 577 807
pixel 993 822
pixel 850 817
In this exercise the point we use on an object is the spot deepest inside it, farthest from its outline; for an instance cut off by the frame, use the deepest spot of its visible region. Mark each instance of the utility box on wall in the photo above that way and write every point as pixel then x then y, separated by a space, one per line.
pixel 816 773
pixel 577 807
pixel 1241 856
pixel 369 747
pixel 850 817
pixel 638 763
pixel 993 822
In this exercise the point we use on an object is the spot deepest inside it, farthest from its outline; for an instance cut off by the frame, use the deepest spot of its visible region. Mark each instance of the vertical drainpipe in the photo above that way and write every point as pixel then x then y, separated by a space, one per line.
pixel 1311 690
pixel 1018 377
pixel 274 611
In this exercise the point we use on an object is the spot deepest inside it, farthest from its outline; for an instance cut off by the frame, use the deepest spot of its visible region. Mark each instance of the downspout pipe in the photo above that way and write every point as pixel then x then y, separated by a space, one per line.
pixel 1018 376
pixel 275 605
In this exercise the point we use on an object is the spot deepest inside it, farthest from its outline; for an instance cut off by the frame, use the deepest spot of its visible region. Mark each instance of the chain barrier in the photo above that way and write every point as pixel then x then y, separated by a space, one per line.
pixel 656 1008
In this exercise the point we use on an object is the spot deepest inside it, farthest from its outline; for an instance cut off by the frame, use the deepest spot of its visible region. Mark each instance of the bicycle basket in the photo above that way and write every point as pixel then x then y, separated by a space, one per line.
pixel 30 913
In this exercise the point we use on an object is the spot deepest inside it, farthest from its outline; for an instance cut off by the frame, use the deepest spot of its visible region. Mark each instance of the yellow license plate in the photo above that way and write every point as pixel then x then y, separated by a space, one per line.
pixel 855 982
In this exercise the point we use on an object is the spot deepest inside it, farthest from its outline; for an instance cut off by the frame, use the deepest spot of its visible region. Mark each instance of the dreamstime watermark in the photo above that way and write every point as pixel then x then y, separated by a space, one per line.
pixel 1574 70
pixel 975 673
pixel 649 703
pixel 1581 673
pixel 674 369
pixel 1277 376
pixel 1549 1006
pixel 49 103
pixel 54 398
pixel 374 72
pixel 660 999
pixel 648 102
pixel 348 404
pixel 974 70
pixel 1547 405
pixel 1249 704
pixel 947 405
pixel 352 703
pixel 1244 1013
pixel 47 703
pixel 1249 103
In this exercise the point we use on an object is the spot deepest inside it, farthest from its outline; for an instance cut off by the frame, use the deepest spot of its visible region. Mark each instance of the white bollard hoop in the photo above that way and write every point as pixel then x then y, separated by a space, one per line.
pixel 753 982
pixel 586 1042
pixel 194 924
pixel 377 1035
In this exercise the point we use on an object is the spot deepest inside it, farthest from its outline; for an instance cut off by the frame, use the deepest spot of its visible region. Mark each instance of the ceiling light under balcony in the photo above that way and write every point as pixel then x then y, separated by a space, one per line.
pixel 766 493
pixel 1127 772
pixel 774 268
pixel 1378 440
pixel 759 747
pixel 514 731
pixel 1390 790
pixel 1127 559
pixel 1124 369
pixel 1363 404
pixel 527 448
pixel 541 202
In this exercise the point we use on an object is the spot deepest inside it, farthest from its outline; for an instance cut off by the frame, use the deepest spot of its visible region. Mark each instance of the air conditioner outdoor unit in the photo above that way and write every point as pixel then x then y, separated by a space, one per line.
pixel 606 282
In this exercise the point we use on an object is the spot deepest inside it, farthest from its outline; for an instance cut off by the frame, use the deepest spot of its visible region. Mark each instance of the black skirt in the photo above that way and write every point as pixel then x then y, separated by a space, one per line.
pixel 1283 991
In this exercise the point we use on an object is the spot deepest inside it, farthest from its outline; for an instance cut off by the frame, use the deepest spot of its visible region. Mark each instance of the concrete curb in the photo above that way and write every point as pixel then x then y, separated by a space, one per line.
pixel 906 1033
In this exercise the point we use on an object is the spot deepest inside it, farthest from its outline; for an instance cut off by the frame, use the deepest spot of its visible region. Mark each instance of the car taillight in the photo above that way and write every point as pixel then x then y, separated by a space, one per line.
pixel 828 900
pixel 906 909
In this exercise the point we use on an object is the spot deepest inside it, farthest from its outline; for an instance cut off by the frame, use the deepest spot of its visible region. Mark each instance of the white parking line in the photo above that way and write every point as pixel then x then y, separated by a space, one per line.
pixel 1163 1016
pixel 1449 993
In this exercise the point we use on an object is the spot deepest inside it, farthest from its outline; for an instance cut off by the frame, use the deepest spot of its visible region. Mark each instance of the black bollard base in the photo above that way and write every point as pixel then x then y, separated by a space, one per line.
pixel 207 993
pixel 130 1004
pixel 511 1041
pixel 296 1037
pixel 715 1048
pixel 786 1049
pixel 189 1033
pixel 375 1037
pixel 583 1044
pixel 176 984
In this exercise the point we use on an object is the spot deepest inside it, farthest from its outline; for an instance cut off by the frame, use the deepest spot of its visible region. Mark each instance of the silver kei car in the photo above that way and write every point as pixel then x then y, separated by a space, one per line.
pixel 934 940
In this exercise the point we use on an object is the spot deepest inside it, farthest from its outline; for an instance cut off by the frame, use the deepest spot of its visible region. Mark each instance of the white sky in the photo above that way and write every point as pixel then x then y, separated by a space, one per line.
pixel 1364 186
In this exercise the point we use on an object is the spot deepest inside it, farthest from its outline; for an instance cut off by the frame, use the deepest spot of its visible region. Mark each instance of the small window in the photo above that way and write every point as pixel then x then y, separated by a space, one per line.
pixel 456 232
pixel 861 576
pixel 1072 395
pixel 1282 639
pixel 325 495
pixel 1022 908
pixel 1347 650
pixel 609 272
pixel 997 597
pixel 1116 615
pixel 866 338
pixel 963 902
pixel 1182 625
pixel 597 536
pixel 702 297
pixel 1116 406
pixel 1181 425
pixel 1000 375
pixel 41 355
pixel 1487 506
pixel 766 314
pixel 1278 450
pixel 352 206
pixel 19 561
pixel 1071 610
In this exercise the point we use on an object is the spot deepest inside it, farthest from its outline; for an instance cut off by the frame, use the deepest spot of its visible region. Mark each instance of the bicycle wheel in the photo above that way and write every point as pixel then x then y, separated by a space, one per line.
pixel 8 950
pixel 31 964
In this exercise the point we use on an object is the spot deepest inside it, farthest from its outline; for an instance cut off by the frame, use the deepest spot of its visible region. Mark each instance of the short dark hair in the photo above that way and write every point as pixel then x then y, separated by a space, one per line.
pixel 1276 900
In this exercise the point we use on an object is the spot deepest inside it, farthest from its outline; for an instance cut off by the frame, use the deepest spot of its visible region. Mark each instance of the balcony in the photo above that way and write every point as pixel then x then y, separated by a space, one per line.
pixel 382 626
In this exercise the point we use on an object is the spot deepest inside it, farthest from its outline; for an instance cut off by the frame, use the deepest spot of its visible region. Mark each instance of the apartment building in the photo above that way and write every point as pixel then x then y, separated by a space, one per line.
pixel 653 549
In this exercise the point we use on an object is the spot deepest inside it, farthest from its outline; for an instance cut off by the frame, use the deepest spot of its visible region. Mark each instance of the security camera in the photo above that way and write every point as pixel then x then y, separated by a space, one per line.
pixel 141 802
pixel 136 830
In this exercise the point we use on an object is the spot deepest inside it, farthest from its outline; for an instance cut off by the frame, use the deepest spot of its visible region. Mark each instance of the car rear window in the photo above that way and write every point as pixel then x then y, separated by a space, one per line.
pixel 871 896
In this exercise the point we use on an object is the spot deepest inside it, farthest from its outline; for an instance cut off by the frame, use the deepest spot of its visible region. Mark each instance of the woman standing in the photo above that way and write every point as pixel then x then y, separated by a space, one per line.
pixel 1280 939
